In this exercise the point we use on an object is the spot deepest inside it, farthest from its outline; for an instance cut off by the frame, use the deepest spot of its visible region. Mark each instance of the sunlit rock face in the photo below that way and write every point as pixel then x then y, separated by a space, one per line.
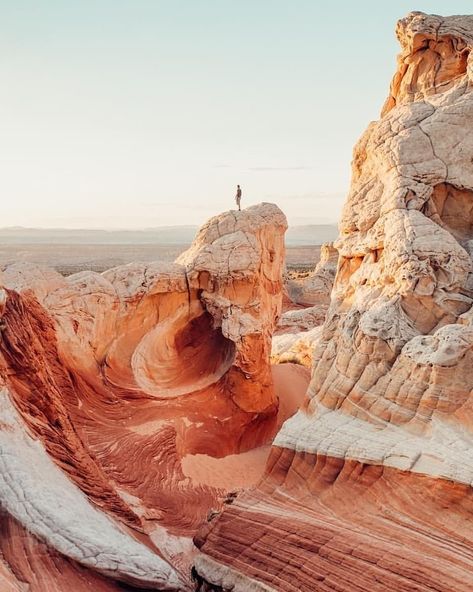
pixel 295 347
pixel 368 486
pixel 118 391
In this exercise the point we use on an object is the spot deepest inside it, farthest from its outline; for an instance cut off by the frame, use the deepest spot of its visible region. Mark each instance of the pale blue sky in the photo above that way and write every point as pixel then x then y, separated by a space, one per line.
pixel 133 113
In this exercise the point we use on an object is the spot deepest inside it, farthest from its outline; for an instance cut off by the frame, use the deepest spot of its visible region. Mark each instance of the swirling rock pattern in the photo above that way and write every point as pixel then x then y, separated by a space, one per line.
pixel 369 485
pixel 117 390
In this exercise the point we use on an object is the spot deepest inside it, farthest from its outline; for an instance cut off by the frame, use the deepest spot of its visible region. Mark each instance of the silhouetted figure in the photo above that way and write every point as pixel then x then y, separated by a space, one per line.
pixel 238 197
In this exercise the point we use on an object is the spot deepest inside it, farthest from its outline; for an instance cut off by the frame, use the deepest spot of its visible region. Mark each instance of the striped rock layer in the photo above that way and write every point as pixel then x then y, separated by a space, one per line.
pixel 131 402
pixel 369 485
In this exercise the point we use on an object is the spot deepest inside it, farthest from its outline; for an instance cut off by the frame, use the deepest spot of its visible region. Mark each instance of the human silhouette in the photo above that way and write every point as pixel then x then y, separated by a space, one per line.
pixel 238 197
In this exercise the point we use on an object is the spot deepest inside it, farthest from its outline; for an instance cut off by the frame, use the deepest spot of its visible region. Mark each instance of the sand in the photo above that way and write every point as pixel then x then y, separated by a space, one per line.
pixel 238 471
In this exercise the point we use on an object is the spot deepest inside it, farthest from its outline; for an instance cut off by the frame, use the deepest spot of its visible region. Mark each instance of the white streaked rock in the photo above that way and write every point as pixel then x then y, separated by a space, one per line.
pixel 444 451
pixel 48 504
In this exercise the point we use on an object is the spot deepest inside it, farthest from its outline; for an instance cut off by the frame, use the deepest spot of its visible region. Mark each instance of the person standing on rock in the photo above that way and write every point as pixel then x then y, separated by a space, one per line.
pixel 238 197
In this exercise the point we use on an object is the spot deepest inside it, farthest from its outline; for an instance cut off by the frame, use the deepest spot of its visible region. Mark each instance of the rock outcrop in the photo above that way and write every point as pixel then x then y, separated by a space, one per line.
pixel 299 328
pixel 119 391
pixel 301 319
pixel 295 347
pixel 314 290
pixel 369 485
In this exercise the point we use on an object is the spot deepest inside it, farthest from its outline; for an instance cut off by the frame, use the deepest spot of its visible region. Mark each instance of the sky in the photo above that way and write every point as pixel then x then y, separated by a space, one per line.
pixel 143 113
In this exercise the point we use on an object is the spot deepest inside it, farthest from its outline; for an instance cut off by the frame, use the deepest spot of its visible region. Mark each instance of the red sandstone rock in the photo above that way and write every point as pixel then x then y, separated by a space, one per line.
pixel 113 408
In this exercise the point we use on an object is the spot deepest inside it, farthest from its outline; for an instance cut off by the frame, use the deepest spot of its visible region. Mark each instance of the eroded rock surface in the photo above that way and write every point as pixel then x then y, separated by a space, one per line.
pixel 299 328
pixel 109 381
pixel 315 289
pixel 369 485
pixel 295 347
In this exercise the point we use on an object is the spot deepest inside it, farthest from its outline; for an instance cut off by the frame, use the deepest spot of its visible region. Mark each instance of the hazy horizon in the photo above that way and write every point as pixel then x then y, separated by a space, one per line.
pixel 140 114
pixel 309 234
pixel 124 229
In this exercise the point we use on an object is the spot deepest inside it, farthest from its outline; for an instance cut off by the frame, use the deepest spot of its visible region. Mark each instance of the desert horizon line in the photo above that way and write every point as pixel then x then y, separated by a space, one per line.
pixel 139 229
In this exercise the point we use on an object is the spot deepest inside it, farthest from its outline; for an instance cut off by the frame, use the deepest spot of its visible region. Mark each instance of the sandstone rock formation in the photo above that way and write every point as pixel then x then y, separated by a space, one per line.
pixel 129 403
pixel 295 347
pixel 315 289
pixel 369 485
pixel 299 328
pixel 301 319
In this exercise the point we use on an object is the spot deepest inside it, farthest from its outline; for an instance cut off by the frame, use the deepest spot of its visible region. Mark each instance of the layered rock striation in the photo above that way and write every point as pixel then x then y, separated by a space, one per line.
pixel 119 391
pixel 369 485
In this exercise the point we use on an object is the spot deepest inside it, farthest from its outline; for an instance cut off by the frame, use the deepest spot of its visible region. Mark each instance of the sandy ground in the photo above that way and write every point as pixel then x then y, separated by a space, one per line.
pixel 235 471
pixel 244 470
pixel 69 258
pixel 290 382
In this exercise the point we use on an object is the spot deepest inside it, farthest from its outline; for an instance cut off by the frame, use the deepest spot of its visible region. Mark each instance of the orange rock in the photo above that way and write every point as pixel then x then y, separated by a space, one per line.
pixel 116 377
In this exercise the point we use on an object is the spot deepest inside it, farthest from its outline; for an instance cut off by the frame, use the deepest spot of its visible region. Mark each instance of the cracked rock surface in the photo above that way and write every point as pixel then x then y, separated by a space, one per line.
pixel 369 485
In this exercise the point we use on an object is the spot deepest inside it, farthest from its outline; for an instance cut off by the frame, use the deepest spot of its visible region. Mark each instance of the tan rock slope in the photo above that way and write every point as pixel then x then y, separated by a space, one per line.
pixel 368 486
pixel 129 403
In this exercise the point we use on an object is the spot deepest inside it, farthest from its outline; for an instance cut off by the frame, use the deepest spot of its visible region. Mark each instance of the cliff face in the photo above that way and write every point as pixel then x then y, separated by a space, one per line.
pixel 368 486
pixel 118 390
